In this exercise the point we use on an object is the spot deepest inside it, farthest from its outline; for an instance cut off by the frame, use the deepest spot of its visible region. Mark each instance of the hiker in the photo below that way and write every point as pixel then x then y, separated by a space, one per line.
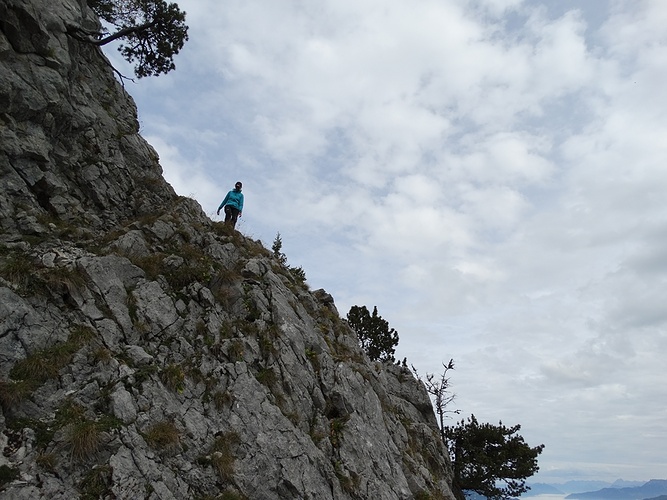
pixel 233 204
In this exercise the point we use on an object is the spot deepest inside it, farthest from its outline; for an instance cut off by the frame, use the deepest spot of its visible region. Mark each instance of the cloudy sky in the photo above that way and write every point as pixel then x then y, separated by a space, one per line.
pixel 491 174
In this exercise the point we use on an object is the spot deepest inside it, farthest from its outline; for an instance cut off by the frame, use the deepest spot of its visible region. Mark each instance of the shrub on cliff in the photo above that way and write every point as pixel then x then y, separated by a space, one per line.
pixel 492 460
pixel 375 336
pixel 153 32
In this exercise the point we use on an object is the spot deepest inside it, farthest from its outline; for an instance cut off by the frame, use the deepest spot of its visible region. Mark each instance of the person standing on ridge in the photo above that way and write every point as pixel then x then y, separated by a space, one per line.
pixel 233 204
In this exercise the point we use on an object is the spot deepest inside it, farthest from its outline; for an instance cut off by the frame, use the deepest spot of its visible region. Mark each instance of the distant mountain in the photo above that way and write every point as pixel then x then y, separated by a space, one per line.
pixel 621 483
pixel 618 490
pixel 542 489
pixel 653 488
pixel 581 486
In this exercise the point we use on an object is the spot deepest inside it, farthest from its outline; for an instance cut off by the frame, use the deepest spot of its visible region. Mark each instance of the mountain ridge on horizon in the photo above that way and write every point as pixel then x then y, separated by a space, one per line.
pixel 618 489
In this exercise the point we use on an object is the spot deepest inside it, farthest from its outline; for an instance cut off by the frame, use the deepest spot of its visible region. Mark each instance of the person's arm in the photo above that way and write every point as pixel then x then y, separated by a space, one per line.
pixel 224 202
pixel 241 205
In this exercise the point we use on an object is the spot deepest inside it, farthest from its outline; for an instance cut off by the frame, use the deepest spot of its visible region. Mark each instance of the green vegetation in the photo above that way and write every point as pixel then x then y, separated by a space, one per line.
pixel 222 454
pixel 47 461
pixel 295 273
pixel 63 278
pixel 84 435
pixel 44 431
pixel 17 268
pixel 231 495
pixel 30 277
pixel 222 399
pixel 13 392
pixel 375 336
pixel 173 376
pixel 336 428
pixel 236 350
pixel 196 266
pixel 42 365
pixel 492 460
pixel 7 475
pixel 267 377
pixel 153 32
pixel 45 364
pixel 84 439
pixel 163 435
pixel 314 360
pixel 96 483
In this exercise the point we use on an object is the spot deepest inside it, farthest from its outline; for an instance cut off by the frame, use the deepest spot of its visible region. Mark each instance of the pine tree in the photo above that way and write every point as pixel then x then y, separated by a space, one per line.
pixel 153 32
pixel 375 336
pixel 492 460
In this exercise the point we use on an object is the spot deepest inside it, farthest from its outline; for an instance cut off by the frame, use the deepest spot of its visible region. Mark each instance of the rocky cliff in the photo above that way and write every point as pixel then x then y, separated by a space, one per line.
pixel 148 352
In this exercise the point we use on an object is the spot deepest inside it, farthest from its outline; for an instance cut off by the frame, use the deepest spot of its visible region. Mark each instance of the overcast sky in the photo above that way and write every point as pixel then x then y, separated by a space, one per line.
pixel 491 174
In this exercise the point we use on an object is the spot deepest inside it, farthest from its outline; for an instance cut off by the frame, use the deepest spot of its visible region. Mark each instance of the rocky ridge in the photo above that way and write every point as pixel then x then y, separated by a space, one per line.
pixel 148 352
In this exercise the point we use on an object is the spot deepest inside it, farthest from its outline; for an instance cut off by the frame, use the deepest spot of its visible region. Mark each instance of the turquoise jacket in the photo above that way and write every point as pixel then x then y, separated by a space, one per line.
pixel 234 199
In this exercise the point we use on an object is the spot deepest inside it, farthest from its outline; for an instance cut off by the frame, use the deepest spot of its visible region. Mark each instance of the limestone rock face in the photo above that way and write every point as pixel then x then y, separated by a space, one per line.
pixel 148 352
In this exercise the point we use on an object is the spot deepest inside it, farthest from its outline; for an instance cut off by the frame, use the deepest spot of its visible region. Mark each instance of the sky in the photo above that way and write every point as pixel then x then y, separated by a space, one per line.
pixel 491 174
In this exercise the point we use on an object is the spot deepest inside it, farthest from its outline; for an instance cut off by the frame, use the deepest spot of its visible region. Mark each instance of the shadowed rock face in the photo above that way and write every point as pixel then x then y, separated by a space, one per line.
pixel 148 352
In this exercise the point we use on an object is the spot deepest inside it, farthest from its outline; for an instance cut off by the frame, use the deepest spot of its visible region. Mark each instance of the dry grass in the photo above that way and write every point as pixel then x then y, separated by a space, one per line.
pixel 17 268
pixel 173 377
pixel 45 364
pixel 12 393
pixel 47 461
pixel 223 458
pixel 163 435
pixel 84 439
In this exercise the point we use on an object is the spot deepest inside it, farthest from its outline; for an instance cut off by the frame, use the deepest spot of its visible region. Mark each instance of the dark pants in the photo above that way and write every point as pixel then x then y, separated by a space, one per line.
pixel 231 214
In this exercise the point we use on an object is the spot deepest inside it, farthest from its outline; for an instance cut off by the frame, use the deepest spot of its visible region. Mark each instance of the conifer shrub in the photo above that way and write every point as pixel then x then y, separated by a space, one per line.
pixel 375 336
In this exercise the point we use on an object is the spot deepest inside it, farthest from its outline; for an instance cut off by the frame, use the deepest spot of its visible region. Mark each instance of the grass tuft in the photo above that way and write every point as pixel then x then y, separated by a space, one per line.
pixel 163 435
pixel 222 455
pixel 84 440
pixel 47 461
pixel 45 364
pixel 13 392
pixel 96 483
pixel 173 377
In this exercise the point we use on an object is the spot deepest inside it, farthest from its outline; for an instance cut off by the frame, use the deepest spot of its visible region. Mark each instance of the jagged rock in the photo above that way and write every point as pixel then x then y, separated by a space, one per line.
pixel 148 352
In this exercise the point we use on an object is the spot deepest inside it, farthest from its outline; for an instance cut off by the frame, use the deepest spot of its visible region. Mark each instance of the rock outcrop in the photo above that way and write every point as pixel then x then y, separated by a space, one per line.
pixel 148 352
